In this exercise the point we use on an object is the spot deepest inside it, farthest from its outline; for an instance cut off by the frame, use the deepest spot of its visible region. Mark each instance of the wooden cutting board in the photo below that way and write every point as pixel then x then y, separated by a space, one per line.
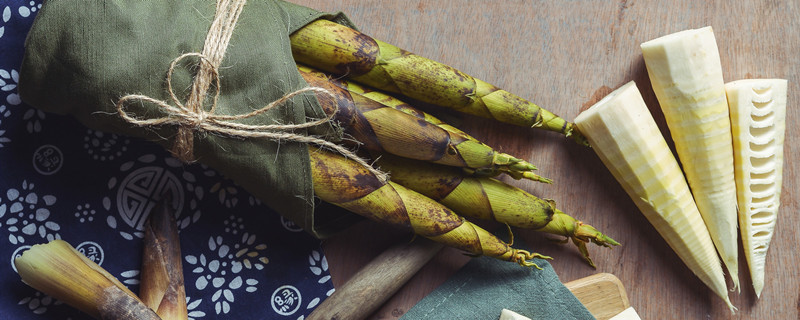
pixel 602 293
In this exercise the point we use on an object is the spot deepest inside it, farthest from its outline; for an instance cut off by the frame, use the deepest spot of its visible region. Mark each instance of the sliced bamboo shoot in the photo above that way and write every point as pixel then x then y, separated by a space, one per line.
pixel 506 314
pixel 758 120
pixel 686 75
pixel 625 136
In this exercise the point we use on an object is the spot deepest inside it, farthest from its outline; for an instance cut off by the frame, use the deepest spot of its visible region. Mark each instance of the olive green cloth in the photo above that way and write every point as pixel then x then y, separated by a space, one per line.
pixel 485 286
pixel 82 56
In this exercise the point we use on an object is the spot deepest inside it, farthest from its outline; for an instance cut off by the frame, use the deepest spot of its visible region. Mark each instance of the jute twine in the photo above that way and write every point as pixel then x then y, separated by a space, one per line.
pixel 191 117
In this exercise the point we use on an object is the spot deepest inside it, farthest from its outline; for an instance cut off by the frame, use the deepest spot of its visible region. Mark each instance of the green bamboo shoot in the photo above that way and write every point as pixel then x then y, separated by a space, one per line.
pixel 332 47
pixel 491 199
pixel 346 184
pixel 379 122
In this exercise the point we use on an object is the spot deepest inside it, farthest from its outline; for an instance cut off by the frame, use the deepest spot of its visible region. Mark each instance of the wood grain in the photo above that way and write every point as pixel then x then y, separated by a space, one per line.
pixel 603 294
pixel 564 55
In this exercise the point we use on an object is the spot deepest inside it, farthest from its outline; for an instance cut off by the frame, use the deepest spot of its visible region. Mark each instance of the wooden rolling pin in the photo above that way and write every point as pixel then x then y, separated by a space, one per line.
pixel 376 282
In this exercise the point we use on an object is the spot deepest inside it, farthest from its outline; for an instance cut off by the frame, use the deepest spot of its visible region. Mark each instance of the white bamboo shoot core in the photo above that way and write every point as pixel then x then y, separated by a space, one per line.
pixel 625 136
pixel 758 120
pixel 686 74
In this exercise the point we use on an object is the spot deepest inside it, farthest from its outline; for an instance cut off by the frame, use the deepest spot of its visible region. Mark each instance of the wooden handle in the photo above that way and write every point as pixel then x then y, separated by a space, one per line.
pixel 377 281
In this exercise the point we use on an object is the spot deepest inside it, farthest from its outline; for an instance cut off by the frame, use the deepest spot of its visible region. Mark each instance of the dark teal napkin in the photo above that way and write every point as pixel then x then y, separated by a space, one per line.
pixel 484 287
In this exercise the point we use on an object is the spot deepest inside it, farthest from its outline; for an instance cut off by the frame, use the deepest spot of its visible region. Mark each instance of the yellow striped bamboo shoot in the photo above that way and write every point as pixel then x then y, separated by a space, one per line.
pixel 626 138
pixel 686 74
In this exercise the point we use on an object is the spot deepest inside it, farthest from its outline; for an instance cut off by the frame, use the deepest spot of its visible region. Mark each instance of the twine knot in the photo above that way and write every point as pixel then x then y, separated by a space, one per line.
pixel 191 117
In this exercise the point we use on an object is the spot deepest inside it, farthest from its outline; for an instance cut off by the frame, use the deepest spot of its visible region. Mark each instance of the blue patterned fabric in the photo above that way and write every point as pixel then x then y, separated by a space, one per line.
pixel 60 180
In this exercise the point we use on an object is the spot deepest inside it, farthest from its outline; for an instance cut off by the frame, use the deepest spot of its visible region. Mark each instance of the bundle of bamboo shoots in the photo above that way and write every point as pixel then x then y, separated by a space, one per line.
pixel 330 55
pixel 423 150
pixel 447 169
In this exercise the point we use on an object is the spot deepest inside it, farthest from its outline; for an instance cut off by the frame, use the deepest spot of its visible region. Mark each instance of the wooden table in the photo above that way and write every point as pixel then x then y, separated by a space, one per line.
pixel 564 56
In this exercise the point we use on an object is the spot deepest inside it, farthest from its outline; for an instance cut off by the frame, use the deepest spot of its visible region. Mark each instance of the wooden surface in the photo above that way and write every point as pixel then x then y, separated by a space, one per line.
pixel 564 56
pixel 370 287
pixel 602 293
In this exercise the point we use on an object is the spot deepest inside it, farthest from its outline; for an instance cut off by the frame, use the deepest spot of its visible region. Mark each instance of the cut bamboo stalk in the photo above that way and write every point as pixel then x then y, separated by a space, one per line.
pixel 162 286
pixel 60 271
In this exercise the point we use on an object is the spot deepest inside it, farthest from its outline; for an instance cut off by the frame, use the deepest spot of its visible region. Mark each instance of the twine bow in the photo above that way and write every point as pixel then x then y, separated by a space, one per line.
pixel 191 117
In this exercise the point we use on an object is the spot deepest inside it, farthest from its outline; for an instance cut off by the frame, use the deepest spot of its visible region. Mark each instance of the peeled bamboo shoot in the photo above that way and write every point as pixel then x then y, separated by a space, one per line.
pixel 686 75
pixel 626 138
pixel 758 120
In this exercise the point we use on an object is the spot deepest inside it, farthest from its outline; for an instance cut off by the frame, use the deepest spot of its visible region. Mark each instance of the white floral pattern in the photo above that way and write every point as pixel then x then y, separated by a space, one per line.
pixel 130 277
pixel 4 113
pixel 3 139
pixel 33 120
pixel 234 224
pixel 318 265
pixel 28 215
pixel 85 213
pixel 6 15
pixel 8 84
pixel 29 9
pixel 227 192
pixel 254 202
pixel 191 306
pixel 250 255
pixel 39 302
pixel 213 274
pixel 103 146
